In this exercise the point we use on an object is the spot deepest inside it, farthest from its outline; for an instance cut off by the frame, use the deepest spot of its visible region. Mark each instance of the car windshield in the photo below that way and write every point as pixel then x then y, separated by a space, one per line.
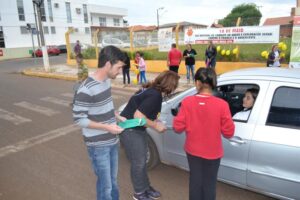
pixel 171 96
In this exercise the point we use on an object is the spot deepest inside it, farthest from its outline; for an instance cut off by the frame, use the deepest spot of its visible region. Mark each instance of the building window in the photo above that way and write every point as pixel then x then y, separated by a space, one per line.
pixel 2 43
pixel 43 12
pixel 116 22
pixel 50 10
pixel 53 30
pixel 24 30
pixel 21 10
pixel 87 30
pixel 68 10
pixel 102 21
pixel 46 30
pixel 85 14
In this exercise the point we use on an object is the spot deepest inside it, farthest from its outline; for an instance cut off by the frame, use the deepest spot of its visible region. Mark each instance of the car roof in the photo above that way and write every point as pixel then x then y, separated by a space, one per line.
pixel 264 72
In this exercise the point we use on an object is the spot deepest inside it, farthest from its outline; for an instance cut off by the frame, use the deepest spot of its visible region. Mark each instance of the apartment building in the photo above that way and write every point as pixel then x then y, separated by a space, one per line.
pixel 57 17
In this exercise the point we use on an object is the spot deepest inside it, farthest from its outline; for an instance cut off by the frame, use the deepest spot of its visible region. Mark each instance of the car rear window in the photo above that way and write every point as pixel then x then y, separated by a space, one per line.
pixel 285 108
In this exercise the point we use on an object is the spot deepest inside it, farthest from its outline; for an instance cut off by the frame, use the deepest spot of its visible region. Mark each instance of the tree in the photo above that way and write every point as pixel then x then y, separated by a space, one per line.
pixel 249 13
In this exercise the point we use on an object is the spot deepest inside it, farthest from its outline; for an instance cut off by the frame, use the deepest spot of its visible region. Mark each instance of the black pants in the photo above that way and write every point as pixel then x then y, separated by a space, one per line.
pixel 203 178
pixel 126 73
pixel 135 145
pixel 174 68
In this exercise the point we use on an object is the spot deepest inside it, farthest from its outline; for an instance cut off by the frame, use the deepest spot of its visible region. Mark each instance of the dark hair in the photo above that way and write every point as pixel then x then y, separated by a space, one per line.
pixel 165 82
pixel 206 76
pixel 110 54
pixel 253 91
pixel 173 45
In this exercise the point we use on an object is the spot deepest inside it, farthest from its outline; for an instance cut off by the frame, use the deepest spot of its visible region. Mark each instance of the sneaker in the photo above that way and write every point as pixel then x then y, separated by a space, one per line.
pixel 142 196
pixel 154 194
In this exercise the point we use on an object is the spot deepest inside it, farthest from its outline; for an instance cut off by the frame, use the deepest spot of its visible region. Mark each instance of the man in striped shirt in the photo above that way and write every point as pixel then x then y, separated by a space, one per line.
pixel 93 110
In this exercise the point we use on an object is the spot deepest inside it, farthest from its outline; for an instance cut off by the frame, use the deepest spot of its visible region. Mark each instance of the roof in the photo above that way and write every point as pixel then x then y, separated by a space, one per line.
pixel 267 73
pixel 216 25
pixel 279 21
pixel 143 28
pixel 181 24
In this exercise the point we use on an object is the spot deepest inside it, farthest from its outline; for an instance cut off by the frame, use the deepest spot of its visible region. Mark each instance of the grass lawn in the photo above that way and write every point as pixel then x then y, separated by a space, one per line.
pixel 248 52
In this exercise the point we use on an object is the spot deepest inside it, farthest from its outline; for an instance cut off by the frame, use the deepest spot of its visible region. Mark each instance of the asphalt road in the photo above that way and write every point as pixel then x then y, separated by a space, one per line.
pixel 42 155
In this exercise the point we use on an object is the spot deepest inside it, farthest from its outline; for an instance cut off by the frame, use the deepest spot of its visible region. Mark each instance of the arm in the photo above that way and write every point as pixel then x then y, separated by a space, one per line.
pixel 80 115
pixel 160 127
pixel 227 125
pixel 185 54
pixel 179 121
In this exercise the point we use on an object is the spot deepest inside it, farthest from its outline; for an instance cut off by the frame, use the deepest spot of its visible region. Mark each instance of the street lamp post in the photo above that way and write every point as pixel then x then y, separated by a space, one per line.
pixel 157 15
pixel 39 3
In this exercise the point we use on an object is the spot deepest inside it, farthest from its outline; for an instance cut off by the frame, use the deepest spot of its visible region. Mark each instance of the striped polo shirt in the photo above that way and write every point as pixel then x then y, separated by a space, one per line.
pixel 93 102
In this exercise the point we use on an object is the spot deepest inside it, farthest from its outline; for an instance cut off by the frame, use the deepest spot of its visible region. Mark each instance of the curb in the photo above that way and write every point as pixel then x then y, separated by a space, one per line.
pixel 114 83
pixel 49 75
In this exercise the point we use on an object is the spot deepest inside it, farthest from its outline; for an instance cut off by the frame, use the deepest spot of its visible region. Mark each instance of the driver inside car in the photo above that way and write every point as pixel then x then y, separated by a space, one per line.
pixel 248 102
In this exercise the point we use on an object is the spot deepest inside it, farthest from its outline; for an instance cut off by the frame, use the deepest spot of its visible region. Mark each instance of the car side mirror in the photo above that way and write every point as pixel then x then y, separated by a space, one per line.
pixel 175 110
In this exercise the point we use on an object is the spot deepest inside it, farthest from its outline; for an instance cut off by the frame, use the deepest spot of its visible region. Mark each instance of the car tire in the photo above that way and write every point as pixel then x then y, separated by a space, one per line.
pixel 152 155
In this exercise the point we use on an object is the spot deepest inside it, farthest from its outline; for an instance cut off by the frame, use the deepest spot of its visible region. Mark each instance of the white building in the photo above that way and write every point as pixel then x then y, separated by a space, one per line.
pixel 57 17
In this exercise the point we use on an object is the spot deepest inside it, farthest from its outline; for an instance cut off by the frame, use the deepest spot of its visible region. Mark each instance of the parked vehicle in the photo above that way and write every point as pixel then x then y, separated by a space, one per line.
pixel 62 48
pixel 114 42
pixel 52 50
pixel 263 155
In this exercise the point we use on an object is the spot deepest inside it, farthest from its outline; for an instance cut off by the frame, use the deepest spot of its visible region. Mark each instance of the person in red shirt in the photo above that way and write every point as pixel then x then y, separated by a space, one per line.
pixel 204 118
pixel 174 58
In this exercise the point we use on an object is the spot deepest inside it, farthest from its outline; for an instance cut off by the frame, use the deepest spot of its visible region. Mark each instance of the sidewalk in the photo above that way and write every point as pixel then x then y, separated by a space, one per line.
pixel 65 72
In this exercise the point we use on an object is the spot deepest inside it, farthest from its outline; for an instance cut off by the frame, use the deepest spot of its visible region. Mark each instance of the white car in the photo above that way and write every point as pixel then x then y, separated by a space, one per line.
pixel 114 42
pixel 264 154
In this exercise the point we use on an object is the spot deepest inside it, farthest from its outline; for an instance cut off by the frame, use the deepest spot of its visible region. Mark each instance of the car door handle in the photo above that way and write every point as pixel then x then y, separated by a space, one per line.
pixel 238 140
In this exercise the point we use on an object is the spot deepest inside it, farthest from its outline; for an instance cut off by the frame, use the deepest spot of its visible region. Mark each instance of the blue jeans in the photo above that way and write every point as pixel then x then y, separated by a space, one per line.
pixel 143 76
pixel 135 145
pixel 105 163
pixel 189 69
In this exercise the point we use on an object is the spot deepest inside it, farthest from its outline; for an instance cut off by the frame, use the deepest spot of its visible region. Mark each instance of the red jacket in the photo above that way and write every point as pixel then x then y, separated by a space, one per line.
pixel 204 119
pixel 174 56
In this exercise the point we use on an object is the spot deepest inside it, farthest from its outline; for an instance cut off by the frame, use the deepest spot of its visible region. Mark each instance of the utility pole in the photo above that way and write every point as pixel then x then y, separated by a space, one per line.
pixel 32 40
pixel 157 15
pixel 36 26
pixel 39 3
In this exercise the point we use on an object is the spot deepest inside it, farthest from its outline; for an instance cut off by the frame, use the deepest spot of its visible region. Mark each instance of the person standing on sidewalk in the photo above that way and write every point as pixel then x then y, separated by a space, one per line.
pixel 210 55
pixel 189 55
pixel 174 59
pixel 126 69
pixel 77 49
pixel 93 110
pixel 146 103
pixel 204 118
pixel 142 68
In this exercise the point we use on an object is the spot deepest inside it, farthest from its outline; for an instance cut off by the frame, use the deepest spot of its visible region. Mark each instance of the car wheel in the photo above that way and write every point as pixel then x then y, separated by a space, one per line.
pixel 152 154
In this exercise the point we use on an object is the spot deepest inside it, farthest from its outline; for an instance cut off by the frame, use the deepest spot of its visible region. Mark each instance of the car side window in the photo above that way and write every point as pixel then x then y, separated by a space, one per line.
pixel 285 108
pixel 234 94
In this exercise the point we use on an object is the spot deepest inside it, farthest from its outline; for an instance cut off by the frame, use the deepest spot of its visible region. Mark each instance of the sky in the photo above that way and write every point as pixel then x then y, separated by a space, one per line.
pixel 143 12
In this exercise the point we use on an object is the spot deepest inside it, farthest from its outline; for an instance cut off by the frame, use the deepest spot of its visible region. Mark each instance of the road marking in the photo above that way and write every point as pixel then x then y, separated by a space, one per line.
pixel 67 95
pixel 56 101
pixel 25 144
pixel 40 109
pixel 16 119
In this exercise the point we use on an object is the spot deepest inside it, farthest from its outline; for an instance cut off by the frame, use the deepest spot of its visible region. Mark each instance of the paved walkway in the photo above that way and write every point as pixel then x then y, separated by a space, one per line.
pixel 66 72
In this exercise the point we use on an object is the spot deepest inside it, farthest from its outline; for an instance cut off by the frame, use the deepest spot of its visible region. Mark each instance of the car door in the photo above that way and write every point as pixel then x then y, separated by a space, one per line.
pixel 173 143
pixel 274 164
pixel 234 162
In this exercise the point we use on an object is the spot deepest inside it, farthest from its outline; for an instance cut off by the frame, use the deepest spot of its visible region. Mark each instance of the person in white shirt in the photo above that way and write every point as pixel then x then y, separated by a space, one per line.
pixel 274 57
pixel 248 102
